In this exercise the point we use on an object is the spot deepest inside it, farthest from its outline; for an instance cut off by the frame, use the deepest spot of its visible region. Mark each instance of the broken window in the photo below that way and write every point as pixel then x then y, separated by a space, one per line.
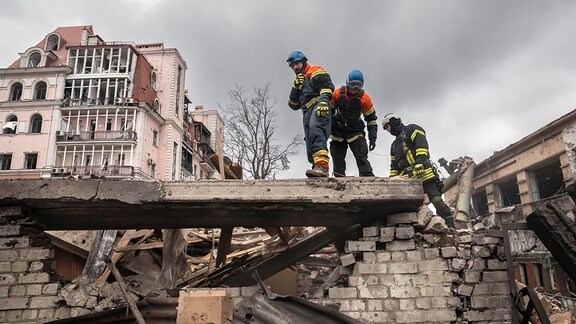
pixel 5 161
pixel 34 59
pixel 480 202
pixel 10 125
pixel 40 90
pixel 16 91
pixel 30 160
pixel 507 193
pixel 36 124
pixel 96 91
pixel 546 181
pixel 53 42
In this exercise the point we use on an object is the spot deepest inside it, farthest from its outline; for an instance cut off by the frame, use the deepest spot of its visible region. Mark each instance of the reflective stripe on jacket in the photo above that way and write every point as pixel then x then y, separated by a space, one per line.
pixel 317 87
pixel 351 108
pixel 408 149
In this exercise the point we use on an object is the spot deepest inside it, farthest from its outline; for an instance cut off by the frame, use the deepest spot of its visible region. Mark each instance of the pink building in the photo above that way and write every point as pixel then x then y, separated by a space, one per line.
pixel 75 104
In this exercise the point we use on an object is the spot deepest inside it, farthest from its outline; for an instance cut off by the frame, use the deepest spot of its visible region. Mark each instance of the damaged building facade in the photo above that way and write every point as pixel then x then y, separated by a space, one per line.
pixel 76 105
pixel 509 184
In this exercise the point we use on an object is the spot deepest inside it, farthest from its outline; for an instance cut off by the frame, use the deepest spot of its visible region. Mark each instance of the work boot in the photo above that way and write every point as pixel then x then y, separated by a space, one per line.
pixel 317 171
pixel 450 222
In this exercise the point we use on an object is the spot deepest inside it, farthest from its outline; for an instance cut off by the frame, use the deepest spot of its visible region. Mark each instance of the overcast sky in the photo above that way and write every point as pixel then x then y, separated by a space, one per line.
pixel 476 75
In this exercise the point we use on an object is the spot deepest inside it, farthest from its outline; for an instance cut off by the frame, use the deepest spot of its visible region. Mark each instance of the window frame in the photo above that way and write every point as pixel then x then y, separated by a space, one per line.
pixel 156 106
pixel 51 36
pixel 3 161
pixel 155 138
pixel 29 159
pixel 35 125
pixel 16 96
pixel 8 120
pixel 37 88
pixel 153 79
pixel 30 59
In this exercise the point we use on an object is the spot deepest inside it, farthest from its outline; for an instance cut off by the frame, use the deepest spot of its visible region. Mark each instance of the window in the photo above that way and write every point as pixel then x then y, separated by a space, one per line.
pixel 5 161
pixel 96 91
pixel 480 202
pixel 546 180
pixel 30 160
pixel 10 125
pixel 178 85
pixel 157 105
pixel 16 92
pixel 174 156
pixel 508 193
pixel 53 42
pixel 36 124
pixel 40 90
pixel 34 59
pixel 153 79
pixel 155 138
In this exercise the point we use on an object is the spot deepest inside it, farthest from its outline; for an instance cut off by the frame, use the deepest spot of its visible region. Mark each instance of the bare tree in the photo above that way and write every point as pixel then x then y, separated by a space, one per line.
pixel 249 134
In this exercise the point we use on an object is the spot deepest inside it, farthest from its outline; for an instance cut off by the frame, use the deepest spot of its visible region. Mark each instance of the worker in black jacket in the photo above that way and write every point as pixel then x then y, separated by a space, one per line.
pixel 351 103
pixel 409 156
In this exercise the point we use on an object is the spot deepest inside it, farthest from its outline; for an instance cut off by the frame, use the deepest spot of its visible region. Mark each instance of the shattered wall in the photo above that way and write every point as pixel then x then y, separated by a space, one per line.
pixel 27 287
pixel 30 291
pixel 409 272
pixel 569 136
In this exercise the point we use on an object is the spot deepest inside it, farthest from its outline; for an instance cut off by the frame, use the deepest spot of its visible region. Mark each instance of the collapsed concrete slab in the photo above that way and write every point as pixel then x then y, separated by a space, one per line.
pixel 68 204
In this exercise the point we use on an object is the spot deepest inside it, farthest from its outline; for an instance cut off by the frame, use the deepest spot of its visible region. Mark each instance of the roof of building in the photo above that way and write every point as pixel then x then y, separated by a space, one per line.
pixel 69 36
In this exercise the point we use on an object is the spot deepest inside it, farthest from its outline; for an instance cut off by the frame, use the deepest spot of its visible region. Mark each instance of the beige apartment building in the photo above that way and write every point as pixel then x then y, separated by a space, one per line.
pixel 76 105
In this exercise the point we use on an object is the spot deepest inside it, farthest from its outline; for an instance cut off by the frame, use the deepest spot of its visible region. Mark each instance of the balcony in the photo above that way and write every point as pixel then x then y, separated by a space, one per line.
pixel 95 136
pixel 101 101
pixel 99 171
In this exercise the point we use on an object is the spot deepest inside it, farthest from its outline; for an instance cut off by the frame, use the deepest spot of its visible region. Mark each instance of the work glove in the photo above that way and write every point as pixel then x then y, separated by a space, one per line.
pixel 372 144
pixel 418 170
pixel 299 81
pixel 322 110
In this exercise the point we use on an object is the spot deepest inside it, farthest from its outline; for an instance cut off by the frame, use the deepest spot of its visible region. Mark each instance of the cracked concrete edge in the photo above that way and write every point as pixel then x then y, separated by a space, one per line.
pixel 130 192
pixel 42 189
pixel 316 190
pixel 324 190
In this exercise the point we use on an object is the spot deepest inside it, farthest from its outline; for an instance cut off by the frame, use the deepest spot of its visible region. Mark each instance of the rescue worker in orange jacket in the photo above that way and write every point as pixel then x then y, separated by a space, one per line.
pixel 350 102
pixel 311 94
pixel 409 156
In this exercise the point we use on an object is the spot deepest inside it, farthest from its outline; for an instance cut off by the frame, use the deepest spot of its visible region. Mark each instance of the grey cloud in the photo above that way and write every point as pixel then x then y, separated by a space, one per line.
pixel 455 67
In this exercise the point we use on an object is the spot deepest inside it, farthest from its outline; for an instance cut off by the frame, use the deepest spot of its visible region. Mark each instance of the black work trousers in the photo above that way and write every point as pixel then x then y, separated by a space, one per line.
pixel 360 150
pixel 434 194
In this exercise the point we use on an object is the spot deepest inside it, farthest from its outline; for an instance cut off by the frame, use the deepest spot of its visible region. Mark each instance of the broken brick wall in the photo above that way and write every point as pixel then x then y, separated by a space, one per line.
pixel 406 272
pixel 30 291
pixel 28 288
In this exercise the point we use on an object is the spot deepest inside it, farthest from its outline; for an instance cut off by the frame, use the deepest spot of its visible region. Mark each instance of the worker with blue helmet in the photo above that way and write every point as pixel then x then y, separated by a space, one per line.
pixel 311 93
pixel 352 104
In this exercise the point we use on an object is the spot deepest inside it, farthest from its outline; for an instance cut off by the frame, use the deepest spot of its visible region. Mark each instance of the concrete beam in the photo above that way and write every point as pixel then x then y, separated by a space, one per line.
pixel 67 204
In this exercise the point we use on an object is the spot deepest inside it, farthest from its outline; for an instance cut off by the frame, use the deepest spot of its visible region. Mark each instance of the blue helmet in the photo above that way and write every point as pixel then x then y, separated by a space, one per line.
pixel 355 79
pixel 296 56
